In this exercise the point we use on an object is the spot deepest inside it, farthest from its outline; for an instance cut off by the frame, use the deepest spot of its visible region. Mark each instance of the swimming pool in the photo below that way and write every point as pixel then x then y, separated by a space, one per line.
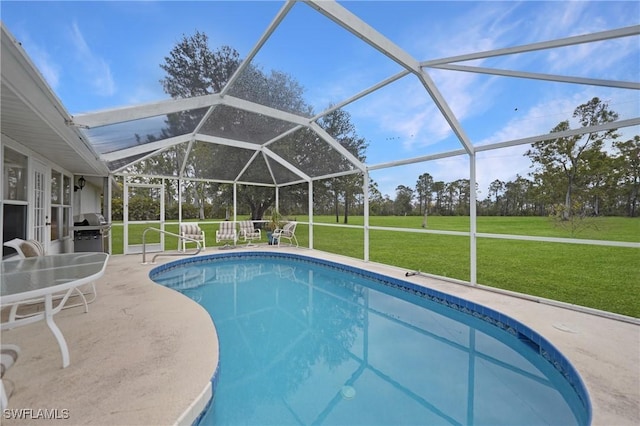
pixel 306 341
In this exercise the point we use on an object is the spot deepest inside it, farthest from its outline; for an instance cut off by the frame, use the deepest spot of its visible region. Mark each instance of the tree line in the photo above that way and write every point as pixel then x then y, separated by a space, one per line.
pixel 590 174
pixel 593 174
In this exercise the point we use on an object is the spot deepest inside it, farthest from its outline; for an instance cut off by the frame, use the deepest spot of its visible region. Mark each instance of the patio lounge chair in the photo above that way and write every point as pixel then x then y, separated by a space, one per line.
pixel 248 233
pixel 193 231
pixel 227 232
pixel 288 231
pixel 33 248
pixel 8 357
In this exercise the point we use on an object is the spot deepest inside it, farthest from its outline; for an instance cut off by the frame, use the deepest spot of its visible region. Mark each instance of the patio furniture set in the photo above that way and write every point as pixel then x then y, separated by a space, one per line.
pixel 230 235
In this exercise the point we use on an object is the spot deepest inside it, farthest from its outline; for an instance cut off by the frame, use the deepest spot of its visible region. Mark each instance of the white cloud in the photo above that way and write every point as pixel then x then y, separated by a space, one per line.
pixel 504 164
pixel 539 119
pixel 409 112
pixel 144 94
pixel 96 69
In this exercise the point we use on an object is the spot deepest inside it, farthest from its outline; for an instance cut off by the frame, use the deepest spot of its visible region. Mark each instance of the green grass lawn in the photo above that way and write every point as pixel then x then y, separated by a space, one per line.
pixel 600 277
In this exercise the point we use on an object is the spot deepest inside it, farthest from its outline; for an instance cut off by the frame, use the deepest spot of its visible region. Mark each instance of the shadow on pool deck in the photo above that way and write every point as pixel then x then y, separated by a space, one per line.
pixel 144 354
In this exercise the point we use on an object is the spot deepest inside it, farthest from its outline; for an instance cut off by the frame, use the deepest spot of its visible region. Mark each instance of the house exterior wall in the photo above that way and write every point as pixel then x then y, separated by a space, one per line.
pixel 88 200
pixel 56 237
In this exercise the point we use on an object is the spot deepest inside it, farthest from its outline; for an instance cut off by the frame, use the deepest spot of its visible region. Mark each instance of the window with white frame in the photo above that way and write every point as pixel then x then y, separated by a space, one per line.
pixel 15 173
pixel 60 205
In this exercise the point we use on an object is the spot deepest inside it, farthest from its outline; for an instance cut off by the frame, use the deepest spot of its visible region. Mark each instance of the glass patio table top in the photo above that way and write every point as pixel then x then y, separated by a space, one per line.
pixel 37 276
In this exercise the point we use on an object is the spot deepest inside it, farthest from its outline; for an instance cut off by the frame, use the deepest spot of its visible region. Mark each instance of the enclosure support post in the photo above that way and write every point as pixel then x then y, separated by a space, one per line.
pixel 125 214
pixel 179 201
pixel 472 219
pixel 108 210
pixel 235 200
pixel 277 198
pixel 365 190
pixel 162 212
pixel 311 214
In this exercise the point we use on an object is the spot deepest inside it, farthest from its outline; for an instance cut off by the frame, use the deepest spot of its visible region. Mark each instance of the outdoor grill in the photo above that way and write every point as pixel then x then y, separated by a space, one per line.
pixel 90 233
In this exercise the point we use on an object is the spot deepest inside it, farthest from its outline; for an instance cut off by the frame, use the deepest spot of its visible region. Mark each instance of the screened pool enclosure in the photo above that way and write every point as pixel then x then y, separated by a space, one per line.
pixel 427 101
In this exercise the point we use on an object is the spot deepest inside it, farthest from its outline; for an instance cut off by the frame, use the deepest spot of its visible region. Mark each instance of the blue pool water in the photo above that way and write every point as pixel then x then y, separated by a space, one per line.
pixel 307 342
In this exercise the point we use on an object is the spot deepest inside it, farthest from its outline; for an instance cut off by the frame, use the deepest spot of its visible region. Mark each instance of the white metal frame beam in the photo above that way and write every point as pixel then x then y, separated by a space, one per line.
pixel 138 112
pixel 562 42
pixel 137 160
pixel 541 76
pixel 420 159
pixel 361 29
pixel 286 164
pixel 246 166
pixel 204 119
pixel 565 134
pixel 266 160
pixel 254 51
pixel 125 114
pixel 350 22
pixel 524 141
pixel 446 112
pixel 335 145
pixel 254 147
pixel 362 94
pixel 157 146
pixel 264 110
pixel 185 160
pixel 228 142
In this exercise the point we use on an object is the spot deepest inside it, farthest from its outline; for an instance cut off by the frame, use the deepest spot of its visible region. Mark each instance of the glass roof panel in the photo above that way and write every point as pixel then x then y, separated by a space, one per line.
pixel 282 174
pixel 119 136
pixel 117 164
pixel 165 163
pixel 232 123
pixel 306 151
pixel 217 162
pixel 257 172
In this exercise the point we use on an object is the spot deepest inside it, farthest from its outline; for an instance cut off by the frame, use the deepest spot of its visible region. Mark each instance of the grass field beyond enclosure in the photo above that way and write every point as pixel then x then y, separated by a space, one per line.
pixel 600 277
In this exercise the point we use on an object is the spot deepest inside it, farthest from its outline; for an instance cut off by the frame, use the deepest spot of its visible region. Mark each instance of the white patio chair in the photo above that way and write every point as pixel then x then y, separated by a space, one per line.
pixel 26 248
pixel 193 231
pixel 287 232
pixel 248 233
pixel 227 232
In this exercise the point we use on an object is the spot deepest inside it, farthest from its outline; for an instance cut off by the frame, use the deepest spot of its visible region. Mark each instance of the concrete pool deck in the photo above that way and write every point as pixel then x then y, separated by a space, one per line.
pixel 144 354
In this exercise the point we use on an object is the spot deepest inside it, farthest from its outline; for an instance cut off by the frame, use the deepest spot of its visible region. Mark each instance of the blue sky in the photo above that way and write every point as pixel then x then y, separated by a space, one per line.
pixel 100 55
